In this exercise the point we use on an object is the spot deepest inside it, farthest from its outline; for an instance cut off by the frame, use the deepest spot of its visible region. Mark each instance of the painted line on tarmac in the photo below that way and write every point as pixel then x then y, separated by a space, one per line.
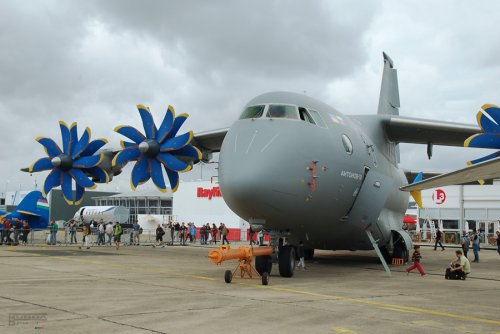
pixel 393 307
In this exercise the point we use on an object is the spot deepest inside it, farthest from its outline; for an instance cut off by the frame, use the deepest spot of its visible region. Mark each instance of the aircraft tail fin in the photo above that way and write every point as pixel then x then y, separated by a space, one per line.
pixel 388 103
pixel 35 206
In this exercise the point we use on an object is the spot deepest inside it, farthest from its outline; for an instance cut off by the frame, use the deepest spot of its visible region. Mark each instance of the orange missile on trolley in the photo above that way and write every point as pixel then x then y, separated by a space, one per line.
pixel 244 255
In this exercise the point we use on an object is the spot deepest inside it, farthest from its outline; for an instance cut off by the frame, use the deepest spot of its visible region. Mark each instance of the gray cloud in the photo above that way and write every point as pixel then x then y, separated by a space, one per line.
pixel 93 61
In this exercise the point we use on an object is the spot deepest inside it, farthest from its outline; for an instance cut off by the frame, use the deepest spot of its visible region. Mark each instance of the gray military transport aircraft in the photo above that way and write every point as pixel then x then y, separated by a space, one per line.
pixel 301 170
pixel 291 166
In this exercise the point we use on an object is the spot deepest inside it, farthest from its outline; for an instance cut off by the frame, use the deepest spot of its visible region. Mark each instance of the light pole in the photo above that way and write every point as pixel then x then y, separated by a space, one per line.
pixel 5 190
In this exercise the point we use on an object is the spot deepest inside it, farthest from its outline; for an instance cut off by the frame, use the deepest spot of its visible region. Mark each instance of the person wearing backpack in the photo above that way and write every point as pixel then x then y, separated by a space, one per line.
pixel 118 231
pixel 458 268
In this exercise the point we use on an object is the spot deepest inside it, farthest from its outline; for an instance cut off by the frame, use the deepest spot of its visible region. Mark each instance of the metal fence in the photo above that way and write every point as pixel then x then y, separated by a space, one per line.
pixel 453 238
pixel 64 237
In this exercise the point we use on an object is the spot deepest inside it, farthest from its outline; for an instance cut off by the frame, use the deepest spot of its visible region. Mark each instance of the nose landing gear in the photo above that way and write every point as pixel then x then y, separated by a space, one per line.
pixel 286 260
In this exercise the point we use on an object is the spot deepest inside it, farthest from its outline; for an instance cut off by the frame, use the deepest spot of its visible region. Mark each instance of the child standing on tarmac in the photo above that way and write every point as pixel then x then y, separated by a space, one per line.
pixel 416 257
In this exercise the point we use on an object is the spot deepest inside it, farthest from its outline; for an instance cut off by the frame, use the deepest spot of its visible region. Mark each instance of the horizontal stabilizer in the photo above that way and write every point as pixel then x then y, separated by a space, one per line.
pixel 28 213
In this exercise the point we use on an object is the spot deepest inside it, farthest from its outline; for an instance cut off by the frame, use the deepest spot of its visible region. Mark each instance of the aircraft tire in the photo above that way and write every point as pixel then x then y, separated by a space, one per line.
pixel 263 264
pixel 286 260
pixel 228 276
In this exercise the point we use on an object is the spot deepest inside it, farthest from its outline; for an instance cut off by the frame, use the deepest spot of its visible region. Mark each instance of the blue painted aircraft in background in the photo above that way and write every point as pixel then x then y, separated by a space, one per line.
pixel 34 208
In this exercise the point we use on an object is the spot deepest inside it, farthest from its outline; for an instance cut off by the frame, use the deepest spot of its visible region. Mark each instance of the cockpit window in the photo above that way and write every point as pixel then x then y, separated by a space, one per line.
pixel 252 112
pixel 305 116
pixel 317 118
pixel 281 111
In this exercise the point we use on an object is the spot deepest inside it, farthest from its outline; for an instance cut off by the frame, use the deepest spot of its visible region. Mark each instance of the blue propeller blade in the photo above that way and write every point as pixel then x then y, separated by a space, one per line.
pixel 173 178
pixel 140 173
pixel 485 158
pixel 493 111
pixel 188 151
pixel 172 163
pixel 94 146
pixel 67 187
pixel 73 130
pixel 99 174
pixel 179 120
pixel 131 133
pixel 81 179
pixel 88 162
pixel 41 164
pixel 50 146
pixel 486 123
pixel 166 125
pixel 483 140
pixel 82 144
pixel 176 142
pixel 157 175
pixel 66 136
pixel 147 122
pixel 78 194
pixel 126 155
pixel 52 180
pixel 126 144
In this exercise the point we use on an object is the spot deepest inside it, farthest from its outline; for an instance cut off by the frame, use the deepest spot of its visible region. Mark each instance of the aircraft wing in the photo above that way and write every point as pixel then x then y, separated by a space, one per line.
pixel 489 169
pixel 210 141
pixel 421 131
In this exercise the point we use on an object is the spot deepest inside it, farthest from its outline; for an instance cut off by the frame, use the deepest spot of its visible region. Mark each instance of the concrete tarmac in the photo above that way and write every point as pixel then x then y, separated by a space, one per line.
pixel 140 289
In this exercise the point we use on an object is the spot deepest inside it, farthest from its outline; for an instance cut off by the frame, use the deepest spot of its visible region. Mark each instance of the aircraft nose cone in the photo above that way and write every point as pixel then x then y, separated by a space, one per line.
pixel 257 169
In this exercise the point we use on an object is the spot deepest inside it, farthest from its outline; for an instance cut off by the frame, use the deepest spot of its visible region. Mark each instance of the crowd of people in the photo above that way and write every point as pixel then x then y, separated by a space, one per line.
pixel 14 231
pixel 102 233
pixel 184 233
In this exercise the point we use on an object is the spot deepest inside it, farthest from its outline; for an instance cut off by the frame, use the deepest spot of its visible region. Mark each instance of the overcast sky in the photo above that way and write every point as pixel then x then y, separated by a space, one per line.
pixel 93 61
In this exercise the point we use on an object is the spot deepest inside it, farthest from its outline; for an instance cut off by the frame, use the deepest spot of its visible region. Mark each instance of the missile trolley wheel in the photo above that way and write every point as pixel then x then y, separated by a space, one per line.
pixel 228 276
pixel 263 264
pixel 265 278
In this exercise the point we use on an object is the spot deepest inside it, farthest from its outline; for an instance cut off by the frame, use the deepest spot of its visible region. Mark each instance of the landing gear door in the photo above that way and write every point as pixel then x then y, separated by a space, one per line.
pixel 371 200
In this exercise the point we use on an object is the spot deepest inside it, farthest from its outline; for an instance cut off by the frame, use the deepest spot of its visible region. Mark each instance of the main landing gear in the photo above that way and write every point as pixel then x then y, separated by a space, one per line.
pixel 286 260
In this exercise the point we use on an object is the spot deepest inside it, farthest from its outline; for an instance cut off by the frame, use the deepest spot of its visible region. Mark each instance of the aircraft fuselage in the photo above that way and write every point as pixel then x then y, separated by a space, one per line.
pixel 304 174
